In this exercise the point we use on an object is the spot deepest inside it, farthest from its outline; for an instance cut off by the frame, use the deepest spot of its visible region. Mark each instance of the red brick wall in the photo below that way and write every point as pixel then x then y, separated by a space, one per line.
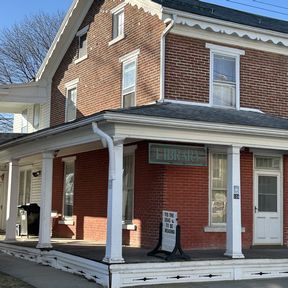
pixel 99 76
pixel 263 83
pixel 157 188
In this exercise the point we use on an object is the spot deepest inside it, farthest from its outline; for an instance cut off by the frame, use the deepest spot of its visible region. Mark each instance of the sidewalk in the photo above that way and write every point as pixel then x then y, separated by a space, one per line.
pixel 41 276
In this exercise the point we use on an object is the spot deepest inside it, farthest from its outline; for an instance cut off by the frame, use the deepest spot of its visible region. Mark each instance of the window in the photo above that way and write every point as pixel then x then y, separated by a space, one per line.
pixel 71 100
pixel 267 162
pixel 218 194
pixel 82 44
pixel 129 72
pixel 68 188
pixel 24 121
pixel 224 76
pixel 118 24
pixel 36 116
pixel 128 187
pixel 24 187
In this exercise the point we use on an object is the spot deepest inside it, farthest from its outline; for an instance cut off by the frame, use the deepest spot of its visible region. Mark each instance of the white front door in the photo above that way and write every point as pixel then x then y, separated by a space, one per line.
pixel 267 208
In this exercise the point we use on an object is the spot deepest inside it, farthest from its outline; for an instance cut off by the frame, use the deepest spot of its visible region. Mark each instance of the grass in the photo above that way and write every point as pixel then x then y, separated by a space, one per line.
pixel 7 281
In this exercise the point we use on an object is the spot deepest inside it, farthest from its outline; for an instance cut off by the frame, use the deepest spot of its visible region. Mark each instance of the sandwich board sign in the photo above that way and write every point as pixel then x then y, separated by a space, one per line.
pixel 169 220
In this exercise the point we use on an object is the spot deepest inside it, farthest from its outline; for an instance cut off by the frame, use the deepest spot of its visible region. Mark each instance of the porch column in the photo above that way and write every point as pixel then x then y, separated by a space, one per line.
pixel 114 213
pixel 234 228
pixel 12 200
pixel 46 201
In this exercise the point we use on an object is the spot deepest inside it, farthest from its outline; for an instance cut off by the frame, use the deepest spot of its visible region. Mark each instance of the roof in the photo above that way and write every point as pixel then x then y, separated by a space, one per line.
pixel 226 14
pixel 5 137
pixel 207 114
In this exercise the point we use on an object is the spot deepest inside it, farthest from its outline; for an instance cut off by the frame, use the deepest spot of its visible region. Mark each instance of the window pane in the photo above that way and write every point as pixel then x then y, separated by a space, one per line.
pixel 21 188
pixel 36 116
pixel 128 188
pixel 129 78
pixel 82 45
pixel 129 100
pixel 218 188
pixel 224 69
pixel 118 24
pixel 224 95
pixel 71 104
pixel 267 194
pixel 263 162
pixel 68 189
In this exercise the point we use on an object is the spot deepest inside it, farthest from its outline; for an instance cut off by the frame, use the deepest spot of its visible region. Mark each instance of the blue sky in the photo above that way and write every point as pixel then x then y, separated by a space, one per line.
pixel 15 10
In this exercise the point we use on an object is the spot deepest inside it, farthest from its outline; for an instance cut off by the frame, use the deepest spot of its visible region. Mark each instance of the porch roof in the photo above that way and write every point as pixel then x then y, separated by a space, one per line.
pixel 5 137
pixel 208 114
pixel 167 111
pixel 226 14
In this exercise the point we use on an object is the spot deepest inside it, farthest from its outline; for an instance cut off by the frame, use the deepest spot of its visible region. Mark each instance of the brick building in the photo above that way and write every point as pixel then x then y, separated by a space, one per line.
pixel 167 105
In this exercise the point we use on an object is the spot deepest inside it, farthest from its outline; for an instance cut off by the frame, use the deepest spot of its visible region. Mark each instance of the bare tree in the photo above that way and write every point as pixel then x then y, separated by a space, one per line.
pixel 23 47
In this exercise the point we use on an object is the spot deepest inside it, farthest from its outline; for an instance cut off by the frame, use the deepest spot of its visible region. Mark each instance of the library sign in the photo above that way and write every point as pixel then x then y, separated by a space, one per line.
pixel 177 155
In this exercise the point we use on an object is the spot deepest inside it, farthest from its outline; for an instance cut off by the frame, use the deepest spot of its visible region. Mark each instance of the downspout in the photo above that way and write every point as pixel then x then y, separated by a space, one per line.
pixel 170 25
pixel 106 139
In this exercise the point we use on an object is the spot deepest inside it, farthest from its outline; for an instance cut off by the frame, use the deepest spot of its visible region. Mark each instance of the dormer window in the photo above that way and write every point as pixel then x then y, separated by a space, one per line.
pixel 82 44
pixel 117 23
pixel 224 76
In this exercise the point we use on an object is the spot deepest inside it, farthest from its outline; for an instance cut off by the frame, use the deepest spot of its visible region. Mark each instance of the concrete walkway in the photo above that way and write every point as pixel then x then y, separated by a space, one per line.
pixel 41 276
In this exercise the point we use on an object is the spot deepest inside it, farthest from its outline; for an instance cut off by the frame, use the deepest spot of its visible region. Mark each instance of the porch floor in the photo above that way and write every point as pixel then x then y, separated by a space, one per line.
pixel 92 251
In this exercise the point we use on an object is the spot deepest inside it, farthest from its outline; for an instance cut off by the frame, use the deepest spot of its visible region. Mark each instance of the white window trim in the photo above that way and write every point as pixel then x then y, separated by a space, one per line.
pixel 118 8
pixel 67 220
pixel 78 35
pixel 117 39
pixel 225 51
pixel 130 56
pixel 69 86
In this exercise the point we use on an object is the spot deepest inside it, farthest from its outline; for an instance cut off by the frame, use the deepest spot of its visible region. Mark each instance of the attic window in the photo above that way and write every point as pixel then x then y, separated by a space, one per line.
pixel 117 23
pixel 82 44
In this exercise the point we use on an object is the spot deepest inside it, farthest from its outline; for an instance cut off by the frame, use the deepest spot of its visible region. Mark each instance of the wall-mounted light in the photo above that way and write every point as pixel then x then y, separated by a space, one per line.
pixel 2 176
pixel 56 153
pixel 36 173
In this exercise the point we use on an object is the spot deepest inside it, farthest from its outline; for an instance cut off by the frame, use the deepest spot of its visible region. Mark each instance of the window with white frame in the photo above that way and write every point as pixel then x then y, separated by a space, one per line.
pixel 68 187
pixel 36 116
pixel 118 21
pixel 82 44
pixel 24 186
pixel 128 186
pixel 218 189
pixel 71 100
pixel 24 121
pixel 224 76
pixel 129 78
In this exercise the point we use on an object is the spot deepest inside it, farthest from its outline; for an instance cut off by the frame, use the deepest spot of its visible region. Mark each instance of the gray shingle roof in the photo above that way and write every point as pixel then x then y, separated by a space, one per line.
pixel 227 14
pixel 208 114
pixel 5 137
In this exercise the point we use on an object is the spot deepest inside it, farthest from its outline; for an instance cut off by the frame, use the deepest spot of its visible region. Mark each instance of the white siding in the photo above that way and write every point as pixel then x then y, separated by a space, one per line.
pixel 44 118
pixel 36 185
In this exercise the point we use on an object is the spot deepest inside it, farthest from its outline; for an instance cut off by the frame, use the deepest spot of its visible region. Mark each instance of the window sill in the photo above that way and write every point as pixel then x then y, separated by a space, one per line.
pixel 80 59
pixel 131 227
pixel 66 222
pixel 218 229
pixel 117 39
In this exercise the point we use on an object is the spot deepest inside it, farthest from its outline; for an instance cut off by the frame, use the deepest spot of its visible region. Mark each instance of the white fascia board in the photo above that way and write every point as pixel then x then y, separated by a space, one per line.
pixel 36 92
pixel 148 6
pixel 226 27
pixel 64 37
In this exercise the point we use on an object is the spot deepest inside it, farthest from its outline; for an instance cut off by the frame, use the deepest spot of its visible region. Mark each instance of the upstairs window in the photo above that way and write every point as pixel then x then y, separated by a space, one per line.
pixel 71 101
pixel 82 44
pixel 224 76
pixel 129 77
pixel 118 21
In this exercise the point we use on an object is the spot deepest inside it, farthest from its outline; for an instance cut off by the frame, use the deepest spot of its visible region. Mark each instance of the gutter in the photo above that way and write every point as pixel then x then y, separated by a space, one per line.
pixel 106 139
pixel 170 23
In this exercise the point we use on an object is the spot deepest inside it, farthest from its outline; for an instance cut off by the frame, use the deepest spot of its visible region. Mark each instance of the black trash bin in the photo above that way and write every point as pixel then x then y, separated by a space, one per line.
pixel 29 219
